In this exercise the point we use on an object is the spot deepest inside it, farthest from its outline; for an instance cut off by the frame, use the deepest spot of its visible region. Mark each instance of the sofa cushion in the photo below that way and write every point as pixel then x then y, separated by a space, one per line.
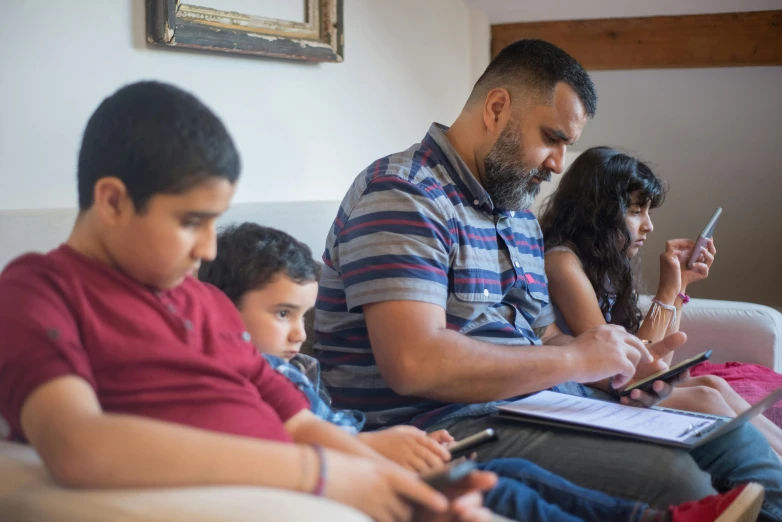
pixel 27 493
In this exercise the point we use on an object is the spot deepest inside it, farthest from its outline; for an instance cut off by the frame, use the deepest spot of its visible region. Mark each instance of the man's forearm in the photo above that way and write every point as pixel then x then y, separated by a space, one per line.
pixel 113 451
pixel 455 368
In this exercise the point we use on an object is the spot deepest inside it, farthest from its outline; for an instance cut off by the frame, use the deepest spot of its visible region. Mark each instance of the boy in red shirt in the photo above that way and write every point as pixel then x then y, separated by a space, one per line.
pixel 122 370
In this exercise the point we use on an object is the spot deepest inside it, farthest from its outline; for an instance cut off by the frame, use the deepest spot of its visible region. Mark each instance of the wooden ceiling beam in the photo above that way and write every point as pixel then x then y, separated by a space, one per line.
pixel 659 42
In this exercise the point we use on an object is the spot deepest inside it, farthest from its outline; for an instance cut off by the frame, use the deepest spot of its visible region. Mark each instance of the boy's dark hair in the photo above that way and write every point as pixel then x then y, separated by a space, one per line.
pixel 250 256
pixel 157 139
pixel 538 65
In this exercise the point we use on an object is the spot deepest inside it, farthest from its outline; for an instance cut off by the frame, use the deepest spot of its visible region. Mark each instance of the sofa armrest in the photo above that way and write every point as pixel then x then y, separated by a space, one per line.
pixel 735 331
pixel 27 494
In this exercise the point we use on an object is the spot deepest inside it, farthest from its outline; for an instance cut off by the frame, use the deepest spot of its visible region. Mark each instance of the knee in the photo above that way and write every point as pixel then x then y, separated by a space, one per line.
pixel 682 481
pixel 708 400
pixel 712 381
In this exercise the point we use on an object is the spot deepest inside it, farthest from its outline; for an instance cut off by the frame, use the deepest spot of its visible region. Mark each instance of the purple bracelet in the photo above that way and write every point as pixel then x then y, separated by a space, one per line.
pixel 320 485
pixel 684 297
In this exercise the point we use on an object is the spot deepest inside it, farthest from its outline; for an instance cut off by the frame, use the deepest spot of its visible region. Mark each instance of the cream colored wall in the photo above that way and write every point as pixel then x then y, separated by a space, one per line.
pixel 304 131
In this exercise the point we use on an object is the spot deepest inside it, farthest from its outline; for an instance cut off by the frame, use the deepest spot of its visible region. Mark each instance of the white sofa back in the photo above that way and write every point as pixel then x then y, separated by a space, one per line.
pixel 24 231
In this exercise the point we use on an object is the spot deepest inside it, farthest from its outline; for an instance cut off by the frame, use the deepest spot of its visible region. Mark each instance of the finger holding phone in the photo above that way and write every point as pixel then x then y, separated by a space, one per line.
pixel 658 392
pixel 685 261
pixel 677 271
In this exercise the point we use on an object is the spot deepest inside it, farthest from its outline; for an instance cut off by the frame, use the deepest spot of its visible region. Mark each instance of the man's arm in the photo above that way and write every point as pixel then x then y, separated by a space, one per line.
pixel 551 335
pixel 418 355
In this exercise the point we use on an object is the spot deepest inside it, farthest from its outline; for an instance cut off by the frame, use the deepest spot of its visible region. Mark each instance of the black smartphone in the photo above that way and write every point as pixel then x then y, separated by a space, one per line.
pixel 666 375
pixel 452 474
pixel 467 445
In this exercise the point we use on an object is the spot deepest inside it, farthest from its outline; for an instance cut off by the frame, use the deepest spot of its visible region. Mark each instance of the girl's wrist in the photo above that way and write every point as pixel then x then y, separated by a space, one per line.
pixel 666 295
pixel 681 298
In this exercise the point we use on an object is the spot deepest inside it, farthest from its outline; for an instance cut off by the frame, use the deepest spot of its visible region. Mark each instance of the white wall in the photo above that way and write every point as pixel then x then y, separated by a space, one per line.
pixel 712 133
pixel 304 131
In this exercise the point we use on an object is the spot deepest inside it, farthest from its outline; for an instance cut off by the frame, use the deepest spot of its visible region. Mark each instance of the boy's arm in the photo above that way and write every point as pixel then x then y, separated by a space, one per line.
pixel 306 428
pixel 83 446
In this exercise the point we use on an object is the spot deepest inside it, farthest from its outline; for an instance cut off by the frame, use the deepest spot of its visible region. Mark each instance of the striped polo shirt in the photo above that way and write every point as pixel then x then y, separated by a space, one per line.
pixel 418 226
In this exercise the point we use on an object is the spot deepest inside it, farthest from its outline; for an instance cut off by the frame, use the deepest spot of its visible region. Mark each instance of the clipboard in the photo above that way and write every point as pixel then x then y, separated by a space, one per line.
pixel 545 408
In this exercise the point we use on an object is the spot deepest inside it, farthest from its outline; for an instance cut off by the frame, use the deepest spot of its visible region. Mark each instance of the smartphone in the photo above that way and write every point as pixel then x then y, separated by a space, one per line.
pixel 452 474
pixel 704 237
pixel 666 375
pixel 467 445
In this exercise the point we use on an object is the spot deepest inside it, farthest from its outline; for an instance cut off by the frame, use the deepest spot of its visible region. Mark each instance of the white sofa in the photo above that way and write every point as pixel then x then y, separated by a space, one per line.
pixel 735 331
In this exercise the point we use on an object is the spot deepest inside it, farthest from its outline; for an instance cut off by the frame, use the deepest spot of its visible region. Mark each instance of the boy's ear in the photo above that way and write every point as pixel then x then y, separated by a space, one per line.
pixel 111 200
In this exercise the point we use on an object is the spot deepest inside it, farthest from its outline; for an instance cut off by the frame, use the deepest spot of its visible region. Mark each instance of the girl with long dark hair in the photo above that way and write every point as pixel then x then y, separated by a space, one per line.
pixel 594 225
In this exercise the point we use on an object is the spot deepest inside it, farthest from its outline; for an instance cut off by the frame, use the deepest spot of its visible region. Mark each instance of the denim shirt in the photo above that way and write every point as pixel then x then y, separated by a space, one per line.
pixel 304 372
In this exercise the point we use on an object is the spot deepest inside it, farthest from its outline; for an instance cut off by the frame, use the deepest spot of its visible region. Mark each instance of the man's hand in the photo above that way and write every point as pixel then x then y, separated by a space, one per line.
pixel 609 351
pixel 409 447
pixel 606 351
pixel 661 391
pixel 659 350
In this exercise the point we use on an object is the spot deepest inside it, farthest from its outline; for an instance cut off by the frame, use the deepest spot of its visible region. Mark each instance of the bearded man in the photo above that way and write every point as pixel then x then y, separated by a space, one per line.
pixel 433 306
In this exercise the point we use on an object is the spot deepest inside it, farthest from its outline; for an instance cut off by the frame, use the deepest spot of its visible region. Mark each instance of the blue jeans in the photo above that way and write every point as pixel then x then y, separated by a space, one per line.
pixel 654 474
pixel 526 491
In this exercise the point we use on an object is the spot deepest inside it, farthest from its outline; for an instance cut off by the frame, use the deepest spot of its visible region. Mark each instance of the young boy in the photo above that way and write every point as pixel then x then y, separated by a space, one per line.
pixel 272 279
pixel 122 370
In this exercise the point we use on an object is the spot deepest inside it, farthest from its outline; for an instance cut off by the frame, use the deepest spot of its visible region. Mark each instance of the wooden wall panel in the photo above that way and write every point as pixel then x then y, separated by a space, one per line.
pixel 659 42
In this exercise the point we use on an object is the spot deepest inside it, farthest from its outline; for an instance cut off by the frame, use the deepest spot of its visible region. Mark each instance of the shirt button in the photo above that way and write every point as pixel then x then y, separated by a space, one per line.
pixel 475 202
pixel 172 308
pixel 246 337
pixel 517 264
pixel 486 292
pixel 188 325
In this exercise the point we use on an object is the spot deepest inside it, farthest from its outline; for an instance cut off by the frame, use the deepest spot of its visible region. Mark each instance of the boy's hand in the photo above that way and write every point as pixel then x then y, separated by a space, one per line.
pixel 441 437
pixel 467 501
pixel 409 447
pixel 385 492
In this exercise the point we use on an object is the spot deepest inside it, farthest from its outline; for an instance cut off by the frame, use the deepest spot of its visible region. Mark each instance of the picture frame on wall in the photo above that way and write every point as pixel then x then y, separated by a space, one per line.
pixel 319 38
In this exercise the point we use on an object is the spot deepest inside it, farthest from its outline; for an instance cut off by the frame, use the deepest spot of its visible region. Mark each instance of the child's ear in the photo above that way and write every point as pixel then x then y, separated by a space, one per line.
pixel 111 200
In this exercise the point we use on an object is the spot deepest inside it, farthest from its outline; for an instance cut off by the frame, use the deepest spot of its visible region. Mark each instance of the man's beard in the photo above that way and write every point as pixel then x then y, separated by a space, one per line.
pixel 508 181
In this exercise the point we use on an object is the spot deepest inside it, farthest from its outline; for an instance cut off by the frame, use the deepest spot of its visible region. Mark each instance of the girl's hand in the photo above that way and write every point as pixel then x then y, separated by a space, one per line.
pixel 700 269
pixel 675 277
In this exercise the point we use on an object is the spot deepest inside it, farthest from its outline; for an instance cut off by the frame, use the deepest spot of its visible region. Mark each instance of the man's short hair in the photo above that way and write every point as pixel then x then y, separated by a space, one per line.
pixel 250 256
pixel 157 139
pixel 537 65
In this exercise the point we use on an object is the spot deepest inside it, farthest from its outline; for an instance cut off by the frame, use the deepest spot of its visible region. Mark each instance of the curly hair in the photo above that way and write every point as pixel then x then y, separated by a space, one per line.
pixel 587 213
pixel 250 256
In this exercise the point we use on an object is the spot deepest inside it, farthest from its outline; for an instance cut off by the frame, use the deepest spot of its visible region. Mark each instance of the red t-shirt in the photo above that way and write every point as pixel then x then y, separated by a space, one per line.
pixel 180 355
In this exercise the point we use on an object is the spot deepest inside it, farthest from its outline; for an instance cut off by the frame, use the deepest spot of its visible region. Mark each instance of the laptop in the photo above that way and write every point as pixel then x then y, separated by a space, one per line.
pixel 682 429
